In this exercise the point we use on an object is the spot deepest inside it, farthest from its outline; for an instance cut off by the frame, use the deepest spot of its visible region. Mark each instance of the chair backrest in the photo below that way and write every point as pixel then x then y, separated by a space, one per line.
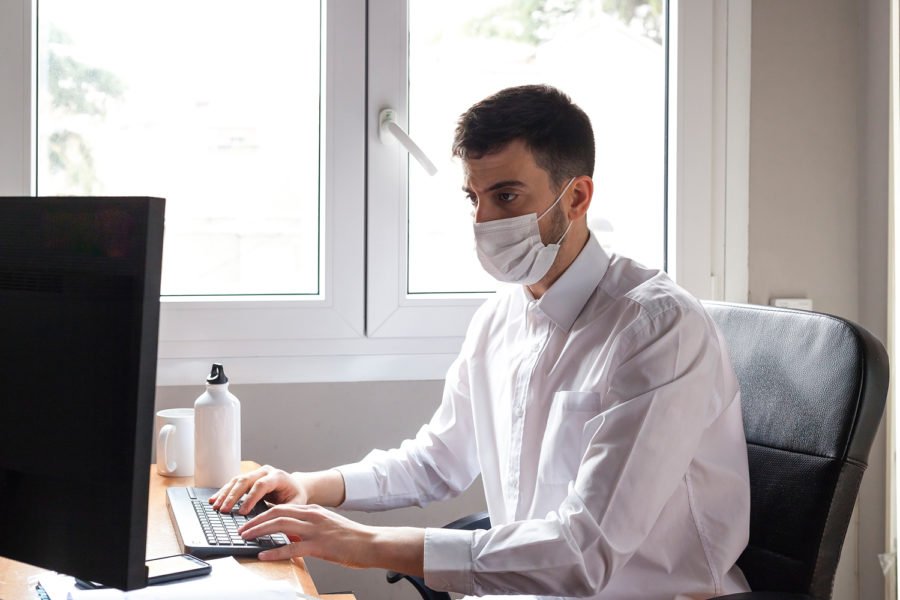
pixel 813 389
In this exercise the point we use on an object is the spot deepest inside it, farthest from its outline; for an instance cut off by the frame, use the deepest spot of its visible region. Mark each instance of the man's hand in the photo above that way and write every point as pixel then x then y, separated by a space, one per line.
pixel 316 531
pixel 267 483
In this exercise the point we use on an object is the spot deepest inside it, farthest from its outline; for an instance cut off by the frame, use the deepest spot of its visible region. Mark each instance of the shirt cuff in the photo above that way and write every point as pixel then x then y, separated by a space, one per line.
pixel 360 488
pixel 448 560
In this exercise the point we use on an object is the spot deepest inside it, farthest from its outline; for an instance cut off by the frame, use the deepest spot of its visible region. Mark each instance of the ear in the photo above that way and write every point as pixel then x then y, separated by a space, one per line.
pixel 581 192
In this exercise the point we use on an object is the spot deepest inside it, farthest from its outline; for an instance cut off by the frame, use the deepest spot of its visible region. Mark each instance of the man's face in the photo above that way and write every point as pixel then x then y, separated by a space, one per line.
pixel 508 184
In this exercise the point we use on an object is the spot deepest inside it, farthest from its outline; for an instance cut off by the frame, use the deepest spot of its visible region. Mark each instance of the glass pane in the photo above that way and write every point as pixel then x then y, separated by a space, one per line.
pixel 463 51
pixel 211 104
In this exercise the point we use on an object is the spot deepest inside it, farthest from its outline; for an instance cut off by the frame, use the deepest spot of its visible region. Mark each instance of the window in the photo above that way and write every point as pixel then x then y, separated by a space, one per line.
pixel 422 270
pixel 328 201
pixel 462 52
pixel 220 116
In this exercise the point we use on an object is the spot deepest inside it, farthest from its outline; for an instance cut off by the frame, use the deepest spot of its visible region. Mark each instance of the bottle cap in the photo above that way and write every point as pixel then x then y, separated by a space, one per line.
pixel 216 375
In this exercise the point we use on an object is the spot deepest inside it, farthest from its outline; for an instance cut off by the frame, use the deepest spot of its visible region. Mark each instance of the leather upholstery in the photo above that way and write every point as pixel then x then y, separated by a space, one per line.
pixel 813 389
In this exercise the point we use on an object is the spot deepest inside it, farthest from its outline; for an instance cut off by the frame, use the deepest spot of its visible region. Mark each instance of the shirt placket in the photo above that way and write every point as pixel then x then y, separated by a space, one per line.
pixel 535 334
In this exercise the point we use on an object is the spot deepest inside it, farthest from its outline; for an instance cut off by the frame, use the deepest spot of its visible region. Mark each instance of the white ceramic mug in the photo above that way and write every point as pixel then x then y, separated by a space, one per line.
pixel 175 442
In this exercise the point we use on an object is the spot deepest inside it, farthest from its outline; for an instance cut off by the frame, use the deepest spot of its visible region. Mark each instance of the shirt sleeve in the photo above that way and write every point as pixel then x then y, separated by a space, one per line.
pixel 669 380
pixel 439 463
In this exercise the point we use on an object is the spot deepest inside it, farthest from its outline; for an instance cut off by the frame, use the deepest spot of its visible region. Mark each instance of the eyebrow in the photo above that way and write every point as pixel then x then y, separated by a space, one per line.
pixel 500 184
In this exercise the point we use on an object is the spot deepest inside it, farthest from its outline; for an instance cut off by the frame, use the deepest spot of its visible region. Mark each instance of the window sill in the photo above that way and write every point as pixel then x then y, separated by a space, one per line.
pixel 308 361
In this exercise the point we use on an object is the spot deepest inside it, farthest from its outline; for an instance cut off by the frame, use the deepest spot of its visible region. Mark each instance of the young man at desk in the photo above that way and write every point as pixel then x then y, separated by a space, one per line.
pixel 596 399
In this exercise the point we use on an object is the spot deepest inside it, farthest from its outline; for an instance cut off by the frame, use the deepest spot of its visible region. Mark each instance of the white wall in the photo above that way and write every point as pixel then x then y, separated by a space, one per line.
pixel 873 114
pixel 819 195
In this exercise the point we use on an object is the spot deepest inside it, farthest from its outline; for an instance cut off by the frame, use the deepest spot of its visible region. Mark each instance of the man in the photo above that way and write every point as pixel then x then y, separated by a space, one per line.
pixel 596 399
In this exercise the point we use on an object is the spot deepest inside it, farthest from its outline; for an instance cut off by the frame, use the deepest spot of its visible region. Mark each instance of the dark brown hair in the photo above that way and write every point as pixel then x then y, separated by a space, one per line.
pixel 555 129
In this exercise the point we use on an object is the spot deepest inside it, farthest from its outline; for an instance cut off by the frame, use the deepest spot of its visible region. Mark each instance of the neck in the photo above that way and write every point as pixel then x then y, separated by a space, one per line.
pixel 568 251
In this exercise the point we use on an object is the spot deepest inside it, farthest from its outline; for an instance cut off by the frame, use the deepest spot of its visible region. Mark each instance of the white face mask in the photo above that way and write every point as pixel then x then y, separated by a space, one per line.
pixel 511 249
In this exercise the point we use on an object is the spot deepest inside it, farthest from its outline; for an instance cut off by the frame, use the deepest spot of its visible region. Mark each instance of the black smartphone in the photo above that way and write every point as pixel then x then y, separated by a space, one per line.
pixel 179 566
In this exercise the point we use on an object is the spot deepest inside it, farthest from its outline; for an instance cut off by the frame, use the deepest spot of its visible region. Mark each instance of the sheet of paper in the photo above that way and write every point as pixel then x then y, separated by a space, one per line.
pixel 228 580
pixel 55 585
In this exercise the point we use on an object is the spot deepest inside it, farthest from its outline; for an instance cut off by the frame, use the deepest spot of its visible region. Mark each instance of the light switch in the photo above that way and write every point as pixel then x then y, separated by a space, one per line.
pixel 798 303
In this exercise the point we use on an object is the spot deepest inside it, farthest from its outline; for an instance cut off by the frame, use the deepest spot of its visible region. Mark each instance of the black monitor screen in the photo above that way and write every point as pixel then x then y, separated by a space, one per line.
pixel 79 318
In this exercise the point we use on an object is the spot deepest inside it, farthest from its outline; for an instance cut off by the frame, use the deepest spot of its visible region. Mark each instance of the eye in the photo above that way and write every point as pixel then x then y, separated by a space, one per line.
pixel 506 196
pixel 473 199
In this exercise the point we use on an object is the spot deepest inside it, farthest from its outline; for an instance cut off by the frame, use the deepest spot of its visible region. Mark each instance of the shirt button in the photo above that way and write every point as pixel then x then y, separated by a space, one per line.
pixel 520 411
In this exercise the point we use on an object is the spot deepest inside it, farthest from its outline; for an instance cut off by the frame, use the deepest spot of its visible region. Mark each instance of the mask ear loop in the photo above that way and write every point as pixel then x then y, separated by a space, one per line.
pixel 561 194
pixel 565 233
pixel 558 198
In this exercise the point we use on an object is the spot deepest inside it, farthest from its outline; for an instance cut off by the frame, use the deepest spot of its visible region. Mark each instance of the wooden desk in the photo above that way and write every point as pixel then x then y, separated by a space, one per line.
pixel 161 541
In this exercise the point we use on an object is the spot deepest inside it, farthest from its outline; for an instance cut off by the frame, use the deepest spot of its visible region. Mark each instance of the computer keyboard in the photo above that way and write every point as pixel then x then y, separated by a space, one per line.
pixel 221 528
pixel 203 531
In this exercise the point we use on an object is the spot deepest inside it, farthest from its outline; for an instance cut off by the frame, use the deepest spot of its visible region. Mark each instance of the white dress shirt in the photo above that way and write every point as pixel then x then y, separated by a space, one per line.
pixel 605 422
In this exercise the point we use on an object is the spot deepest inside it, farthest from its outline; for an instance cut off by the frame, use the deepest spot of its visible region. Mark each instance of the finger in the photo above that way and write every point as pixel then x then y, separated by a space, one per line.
pixel 256 521
pixel 279 510
pixel 283 552
pixel 241 484
pixel 284 525
pixel 257 491
pixel 217 498
pixel 222 490
pixel 291 512
pixel 227 502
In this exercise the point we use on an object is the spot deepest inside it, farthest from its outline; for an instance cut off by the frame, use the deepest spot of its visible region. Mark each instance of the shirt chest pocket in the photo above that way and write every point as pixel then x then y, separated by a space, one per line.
pixel 567 435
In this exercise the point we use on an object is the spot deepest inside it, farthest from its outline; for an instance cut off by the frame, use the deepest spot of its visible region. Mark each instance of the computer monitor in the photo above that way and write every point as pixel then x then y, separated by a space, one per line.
pixel 79 320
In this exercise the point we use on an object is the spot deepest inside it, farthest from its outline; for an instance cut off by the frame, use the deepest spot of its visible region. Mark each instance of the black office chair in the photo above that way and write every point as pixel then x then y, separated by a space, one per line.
pixel 813 389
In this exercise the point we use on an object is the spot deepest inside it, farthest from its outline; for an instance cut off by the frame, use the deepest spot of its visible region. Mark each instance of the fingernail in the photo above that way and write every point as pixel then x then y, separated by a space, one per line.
pixel 263 555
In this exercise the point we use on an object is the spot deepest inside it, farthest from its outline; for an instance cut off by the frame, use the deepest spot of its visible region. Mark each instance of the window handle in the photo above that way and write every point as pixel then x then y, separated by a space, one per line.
pixel 388 131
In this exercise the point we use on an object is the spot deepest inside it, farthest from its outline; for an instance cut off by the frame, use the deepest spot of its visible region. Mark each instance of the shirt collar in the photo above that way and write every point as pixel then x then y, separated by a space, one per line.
pixel 562 303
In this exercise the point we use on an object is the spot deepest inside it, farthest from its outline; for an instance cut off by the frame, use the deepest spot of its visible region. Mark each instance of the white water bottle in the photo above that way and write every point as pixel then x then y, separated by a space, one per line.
pixel 217 432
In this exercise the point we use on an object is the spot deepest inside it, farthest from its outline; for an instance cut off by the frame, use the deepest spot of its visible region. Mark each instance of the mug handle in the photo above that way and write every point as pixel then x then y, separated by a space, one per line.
pixel 163 442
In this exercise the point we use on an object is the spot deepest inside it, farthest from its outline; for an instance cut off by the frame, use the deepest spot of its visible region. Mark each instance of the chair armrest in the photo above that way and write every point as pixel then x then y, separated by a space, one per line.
pixel 764 596
pixel 426 592
pixel 477 521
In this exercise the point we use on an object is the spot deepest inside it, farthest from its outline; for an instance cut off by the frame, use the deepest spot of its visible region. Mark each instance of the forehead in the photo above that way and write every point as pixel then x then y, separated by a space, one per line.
pixel 513 162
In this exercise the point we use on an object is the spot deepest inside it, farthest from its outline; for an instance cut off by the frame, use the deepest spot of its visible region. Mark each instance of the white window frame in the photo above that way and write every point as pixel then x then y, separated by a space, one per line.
pixel 709 147
pixel 391 311
pixel 17 80
pixel 300 338
pixel 893 341
pixel 364 326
